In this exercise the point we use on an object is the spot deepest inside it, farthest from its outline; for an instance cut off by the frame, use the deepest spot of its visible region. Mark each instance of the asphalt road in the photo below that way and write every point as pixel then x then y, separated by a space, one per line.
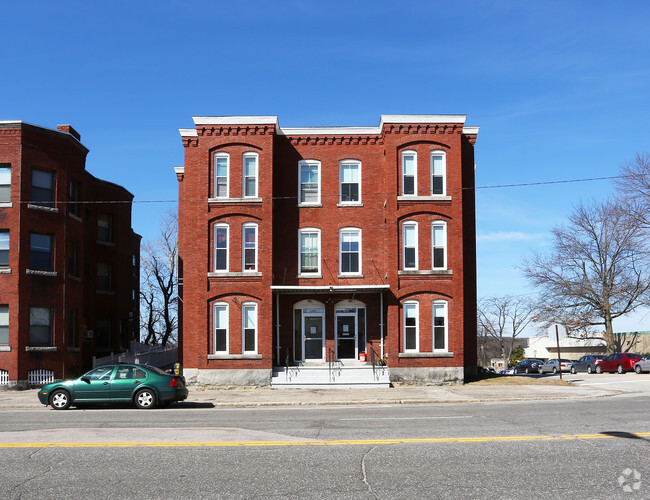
pixel 588 448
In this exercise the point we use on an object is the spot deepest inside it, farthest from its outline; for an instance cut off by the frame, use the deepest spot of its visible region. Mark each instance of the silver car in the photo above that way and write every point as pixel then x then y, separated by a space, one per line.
pixel 586 363
pixel 642 365
pixel 555 365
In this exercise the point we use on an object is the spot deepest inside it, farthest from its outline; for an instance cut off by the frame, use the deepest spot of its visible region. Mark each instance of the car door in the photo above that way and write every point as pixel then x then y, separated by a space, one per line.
pixel 94 385
pixel 126 379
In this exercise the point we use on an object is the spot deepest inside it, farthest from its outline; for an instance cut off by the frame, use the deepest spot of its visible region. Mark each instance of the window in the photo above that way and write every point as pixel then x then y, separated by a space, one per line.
pixel 410 246
pixel 104 228
pixel 439 245
pixel 101 373
pixel 221 247
pixel 350 180
pixel 249 257
pixel 250 175
pixel 409 172
pixel 103 333
pixel 309 251
pixel 104 277
pixel 40 252
pixel 221 175
pixel 74 199
pixel 43 187
pixel 40 326
pixel 72 328
pixel 249 328
pixel 73 258
pixel 438 173
pixel 350 251
pixel 411 326
pixel 4 248
pixel 309 182
pixel 4 324
pixel 440 325
pixel 220 341
pixel 5 182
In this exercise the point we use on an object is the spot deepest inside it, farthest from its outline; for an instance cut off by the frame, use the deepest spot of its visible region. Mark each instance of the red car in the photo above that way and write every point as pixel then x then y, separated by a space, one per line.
pixel 620 362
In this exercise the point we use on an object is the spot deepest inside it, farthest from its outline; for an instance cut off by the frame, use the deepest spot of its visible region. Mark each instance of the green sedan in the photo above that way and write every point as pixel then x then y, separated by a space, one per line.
pixel 145 386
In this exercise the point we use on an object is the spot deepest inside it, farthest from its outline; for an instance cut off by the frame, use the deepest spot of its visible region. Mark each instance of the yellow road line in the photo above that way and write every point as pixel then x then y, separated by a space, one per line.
pixel 338 442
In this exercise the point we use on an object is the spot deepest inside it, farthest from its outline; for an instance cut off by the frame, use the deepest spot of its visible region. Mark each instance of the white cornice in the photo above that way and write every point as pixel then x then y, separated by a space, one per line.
pixel 422 119
pixel 235 120
pixel 471 130
pixel 330 131
pixel 188 132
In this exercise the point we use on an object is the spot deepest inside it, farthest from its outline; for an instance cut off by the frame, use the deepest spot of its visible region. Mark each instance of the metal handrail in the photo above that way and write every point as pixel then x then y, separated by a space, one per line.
pixel 375 360
pixel 286 366
pixel 330 361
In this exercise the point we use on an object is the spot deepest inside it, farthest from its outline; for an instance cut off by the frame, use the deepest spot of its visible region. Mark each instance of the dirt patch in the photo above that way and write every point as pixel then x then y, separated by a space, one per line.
pixel 519 380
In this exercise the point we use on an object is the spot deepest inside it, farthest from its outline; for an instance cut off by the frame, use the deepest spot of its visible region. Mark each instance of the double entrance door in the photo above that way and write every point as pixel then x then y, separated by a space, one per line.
pixel 346 334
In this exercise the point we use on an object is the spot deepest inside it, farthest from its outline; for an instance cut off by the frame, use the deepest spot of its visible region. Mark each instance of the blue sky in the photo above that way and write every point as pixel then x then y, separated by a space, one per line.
pixel 559 89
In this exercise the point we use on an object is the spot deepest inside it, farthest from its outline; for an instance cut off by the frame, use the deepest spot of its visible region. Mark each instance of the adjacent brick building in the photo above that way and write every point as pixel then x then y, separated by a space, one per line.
pixel 303 245
pixel 69 260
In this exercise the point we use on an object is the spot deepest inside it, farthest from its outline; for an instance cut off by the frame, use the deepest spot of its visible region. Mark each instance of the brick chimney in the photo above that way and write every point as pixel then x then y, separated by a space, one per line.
pixel 69 130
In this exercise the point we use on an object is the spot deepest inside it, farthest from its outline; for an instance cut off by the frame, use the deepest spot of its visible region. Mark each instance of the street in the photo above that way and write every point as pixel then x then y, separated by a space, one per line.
pixel 585 448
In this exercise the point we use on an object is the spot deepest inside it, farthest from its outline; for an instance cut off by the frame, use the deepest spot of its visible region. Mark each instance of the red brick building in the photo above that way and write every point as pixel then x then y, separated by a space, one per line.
pixel 69 260
pixel 304 245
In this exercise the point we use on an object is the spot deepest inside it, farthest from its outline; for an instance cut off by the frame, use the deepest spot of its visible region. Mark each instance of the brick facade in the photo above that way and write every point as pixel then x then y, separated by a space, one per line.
pixel 70 286
pixel 342 197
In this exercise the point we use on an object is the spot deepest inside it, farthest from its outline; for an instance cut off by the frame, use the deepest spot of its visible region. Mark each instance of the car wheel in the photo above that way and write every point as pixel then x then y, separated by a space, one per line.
pixel 638 369
pixel 599 370
pixel 145 399
pixel 60 400
pixel 527 371
pixel 620 369
pixel 540 370
pixel 589 370
pixel 573 370
pixel 554 370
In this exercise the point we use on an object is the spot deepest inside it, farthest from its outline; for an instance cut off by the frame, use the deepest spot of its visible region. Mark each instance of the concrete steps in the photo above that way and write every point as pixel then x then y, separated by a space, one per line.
pixel 342 374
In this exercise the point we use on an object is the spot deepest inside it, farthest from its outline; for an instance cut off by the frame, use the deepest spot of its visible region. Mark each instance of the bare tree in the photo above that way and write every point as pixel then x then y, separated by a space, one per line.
pixel 504 319
pixel 597 270
pixel 159 283
pixel 634 186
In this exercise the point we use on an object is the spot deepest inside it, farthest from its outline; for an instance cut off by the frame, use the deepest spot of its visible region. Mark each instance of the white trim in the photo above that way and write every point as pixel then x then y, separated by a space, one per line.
pixel 434 119
pixel 358 233
pixel 443 154
pixel 414 225
pixel 215 306
pixel 215 157
pixel 250 154
pixel 235 120
pixel 302 231
pixel 254 226
pixel 214 246
pixel 443 224
pixel 317 164
pixel 188 132
pixel 179 170
pixel 343 163
pixel 330 131
pixel 329 288
pixel 414 154
pixel 471 130
pixel 417 325
pixel 433 325
pixel 243 324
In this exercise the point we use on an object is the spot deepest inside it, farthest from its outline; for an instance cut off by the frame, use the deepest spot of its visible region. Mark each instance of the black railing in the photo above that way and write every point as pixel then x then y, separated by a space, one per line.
pixel 375 360
pixel 330 362
pixel 286 366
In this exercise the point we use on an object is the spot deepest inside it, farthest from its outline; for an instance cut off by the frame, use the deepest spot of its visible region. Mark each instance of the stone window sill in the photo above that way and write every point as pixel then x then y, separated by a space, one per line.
pixel 406 355
pixel 234 356
pixel 223 274
pixel 42 208
pixel 434 272
pixel 41 348
pixel 36 272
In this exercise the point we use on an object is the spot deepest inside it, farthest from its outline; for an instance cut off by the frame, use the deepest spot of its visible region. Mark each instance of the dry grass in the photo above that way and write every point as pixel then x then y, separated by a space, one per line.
pixel 518 380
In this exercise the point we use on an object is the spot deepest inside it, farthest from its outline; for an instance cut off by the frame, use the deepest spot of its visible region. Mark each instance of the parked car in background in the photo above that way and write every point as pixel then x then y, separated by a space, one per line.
pixel 642 365
pixel 555 365
pixel 489 369
pixel 528 366
pixel 508 371
pixel 143 385
pixel 586 363
pixel 620 362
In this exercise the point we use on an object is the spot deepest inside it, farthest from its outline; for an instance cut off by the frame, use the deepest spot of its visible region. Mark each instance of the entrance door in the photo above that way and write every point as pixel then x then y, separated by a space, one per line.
pixel 346 335
pixel 312 328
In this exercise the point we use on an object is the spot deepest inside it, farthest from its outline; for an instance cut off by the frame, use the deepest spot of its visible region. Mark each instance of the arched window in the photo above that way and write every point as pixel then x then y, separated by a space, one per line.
pixel 409 173
pixel 410 245
pixel 438 245
pixel 438 173
pixel 221 175
pixel 249 327
pixel 411 328
pixel 221 338
pixel 440 326
pixel 249 247
pixel 221 238
pixel 250 175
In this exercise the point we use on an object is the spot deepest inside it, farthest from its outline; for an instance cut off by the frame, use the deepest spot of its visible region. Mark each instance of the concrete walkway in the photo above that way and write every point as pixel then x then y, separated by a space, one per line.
pixel 264 396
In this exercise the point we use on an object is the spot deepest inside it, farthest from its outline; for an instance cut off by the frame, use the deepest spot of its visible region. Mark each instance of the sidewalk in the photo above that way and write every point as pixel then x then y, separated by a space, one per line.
pixel 264 396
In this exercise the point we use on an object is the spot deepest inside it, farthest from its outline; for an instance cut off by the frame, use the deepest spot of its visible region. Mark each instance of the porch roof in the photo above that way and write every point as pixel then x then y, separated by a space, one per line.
pixel 330 289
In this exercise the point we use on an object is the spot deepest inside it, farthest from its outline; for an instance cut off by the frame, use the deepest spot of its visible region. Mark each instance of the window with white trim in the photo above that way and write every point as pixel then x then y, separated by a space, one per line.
pixel 309 182
pixel 350 250
pixel 221 247
pixel 4 248
pixel 249 327
pixel 438 173
pixel 4 324
pixel 220 340
pixel 350 182
pixel 221 175
pixel 5 182
pixel 43 184
pixel 440 327
pixel 411 326
pixel 309 251
pixel 438 245
pixel 40 326
pixel 410 245
pixel 250 175
pixel 249 247
pixel 409 173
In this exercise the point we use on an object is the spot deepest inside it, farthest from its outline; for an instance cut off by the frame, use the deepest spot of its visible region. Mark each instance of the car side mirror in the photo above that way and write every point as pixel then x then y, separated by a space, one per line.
pixel 85 379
